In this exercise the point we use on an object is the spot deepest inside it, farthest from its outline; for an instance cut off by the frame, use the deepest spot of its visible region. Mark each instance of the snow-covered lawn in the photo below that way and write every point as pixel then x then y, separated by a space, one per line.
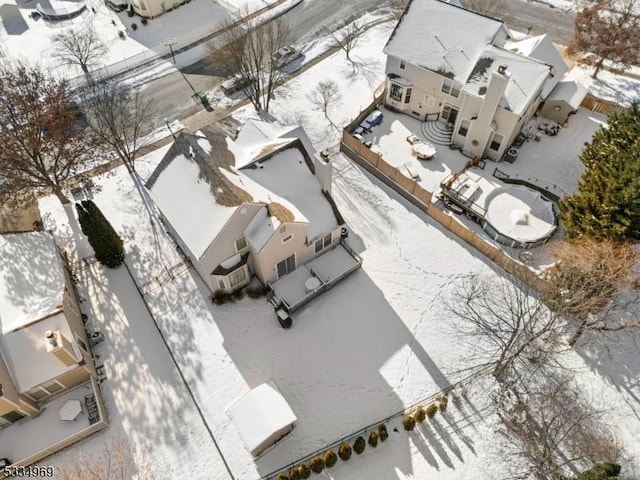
pixel 612 87
pixel 356 79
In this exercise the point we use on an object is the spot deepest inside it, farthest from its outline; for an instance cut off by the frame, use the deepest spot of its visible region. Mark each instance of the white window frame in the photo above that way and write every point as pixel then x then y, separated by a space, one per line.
pixel 493 139
pixel 221 283
pixel 403 64
pixel 232 280
pixel 43 388
pixel 395 89
pixel 464 125
pixel 322 242
pixel 407 95
pixel 240 240
pixel 451 88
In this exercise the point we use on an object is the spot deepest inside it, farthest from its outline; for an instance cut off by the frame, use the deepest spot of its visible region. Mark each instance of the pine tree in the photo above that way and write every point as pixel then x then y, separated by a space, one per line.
pixel 602 471
pixel 608 200
pixel 104 240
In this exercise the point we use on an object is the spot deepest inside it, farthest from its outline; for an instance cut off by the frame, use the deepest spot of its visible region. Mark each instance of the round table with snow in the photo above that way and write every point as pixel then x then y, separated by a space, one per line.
pixel 311 284
pixel 70 410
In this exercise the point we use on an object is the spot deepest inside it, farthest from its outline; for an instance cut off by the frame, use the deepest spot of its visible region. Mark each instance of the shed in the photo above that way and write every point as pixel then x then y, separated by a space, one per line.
pixel 563 101
pixel 262 417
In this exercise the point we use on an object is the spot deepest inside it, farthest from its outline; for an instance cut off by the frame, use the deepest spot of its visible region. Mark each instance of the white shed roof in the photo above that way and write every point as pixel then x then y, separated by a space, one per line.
pixel 31 279
pixel 442 37
pixel 570 91
pixel 260 413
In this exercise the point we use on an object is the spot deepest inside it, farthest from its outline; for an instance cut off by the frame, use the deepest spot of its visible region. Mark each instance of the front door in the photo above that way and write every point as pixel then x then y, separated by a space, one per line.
pixel 288 265
pixel 449 114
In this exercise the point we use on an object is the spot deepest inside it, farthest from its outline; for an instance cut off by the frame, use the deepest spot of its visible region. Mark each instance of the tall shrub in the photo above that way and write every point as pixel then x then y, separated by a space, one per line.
pixel 104 240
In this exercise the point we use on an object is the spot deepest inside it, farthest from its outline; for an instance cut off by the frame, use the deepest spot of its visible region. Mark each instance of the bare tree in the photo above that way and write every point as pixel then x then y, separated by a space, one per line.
pixel 396 8
pixel 507 326
pixel 118 461
pixel 119 117
pixel 41 144
pixel 79 47
pixel 609 29
pixel 347 38
pixel 552 431
pixel 248 49
pixel 325 96
pixel 592 285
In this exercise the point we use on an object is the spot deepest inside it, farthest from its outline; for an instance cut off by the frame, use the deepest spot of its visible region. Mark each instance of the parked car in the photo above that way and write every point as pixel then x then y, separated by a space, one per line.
pixel 286 55
pixel 234 84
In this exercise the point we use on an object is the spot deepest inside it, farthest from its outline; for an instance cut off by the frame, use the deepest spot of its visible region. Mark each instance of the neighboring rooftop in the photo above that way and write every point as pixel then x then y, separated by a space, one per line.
pixel 31 279
pixel 450 44
pixel 26 355
pixel 541 48
pixel 526 77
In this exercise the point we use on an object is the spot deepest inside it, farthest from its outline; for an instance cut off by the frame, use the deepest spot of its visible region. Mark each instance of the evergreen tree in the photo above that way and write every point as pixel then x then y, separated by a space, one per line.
pixel 603 471
pixel 104 240
pixel 608 200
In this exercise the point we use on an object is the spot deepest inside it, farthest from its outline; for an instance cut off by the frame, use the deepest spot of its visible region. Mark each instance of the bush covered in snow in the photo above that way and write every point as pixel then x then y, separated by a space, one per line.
pixel 373 439
pixel 317 464
pixel 294 474
pixel 330 458
pixel 443 402
pixel 359 445
pixel 409 423
pixel 431 410
pixel 344 451
pixel 382 432
pixel 304 471
pixel 282 476
pixel 419 415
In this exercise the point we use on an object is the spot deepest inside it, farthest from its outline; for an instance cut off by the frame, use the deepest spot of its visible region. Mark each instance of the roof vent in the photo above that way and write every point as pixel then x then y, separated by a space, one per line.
pixel 482 90
pixel 502 69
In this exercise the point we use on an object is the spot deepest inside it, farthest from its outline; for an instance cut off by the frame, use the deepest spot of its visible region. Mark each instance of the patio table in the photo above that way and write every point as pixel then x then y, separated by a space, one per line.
pixel 70 410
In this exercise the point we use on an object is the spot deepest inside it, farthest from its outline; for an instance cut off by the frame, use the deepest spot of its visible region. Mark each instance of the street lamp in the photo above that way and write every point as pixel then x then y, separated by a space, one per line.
pixel 170 42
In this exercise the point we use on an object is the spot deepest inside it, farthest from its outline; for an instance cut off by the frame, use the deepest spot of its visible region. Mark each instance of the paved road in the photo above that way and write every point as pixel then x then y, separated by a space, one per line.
pixel 308 21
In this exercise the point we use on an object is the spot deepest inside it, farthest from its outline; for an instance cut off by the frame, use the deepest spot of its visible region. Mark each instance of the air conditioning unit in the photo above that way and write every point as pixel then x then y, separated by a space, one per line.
pixel 511 155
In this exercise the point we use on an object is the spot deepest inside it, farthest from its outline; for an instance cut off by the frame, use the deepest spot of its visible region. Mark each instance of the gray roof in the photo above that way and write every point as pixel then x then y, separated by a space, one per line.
pixel 570 91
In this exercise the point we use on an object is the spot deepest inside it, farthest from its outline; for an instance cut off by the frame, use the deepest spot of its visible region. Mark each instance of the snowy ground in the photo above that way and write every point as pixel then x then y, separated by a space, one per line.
pixel 31 39
pixel 608 86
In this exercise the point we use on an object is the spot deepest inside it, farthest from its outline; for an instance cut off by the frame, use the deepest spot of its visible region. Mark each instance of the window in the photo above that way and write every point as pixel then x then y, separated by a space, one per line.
pixel 496 141
pixel 52 386
pixel 407 97
pixel 451 88
pixel 237 276
pixel 324 242
pixel 241 244
pixel 403 65
pixel 287 238
pixel 288 265
pixel 396 92
pixel 13 417
pixel 83 345
pixel 221 284
pixel 464 128
pixel 45 389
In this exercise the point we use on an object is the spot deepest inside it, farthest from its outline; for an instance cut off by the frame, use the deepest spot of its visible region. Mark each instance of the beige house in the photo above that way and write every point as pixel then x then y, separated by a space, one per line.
pixel 43 344
pixel 460 68
pixel 257 205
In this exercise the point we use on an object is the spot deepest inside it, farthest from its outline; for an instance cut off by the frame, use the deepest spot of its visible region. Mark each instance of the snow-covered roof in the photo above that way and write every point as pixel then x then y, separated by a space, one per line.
pixel 25 352
pixel 198 192
pixel 526 77
pixel 260 229
pixel 442 37
pixel 260 413
pixel 541 48
pixel 31 279
pixel 570 91
pixel 286 176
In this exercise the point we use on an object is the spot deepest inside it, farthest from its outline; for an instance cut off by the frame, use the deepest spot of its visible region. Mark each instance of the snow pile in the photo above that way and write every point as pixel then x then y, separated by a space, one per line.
pixel 611 87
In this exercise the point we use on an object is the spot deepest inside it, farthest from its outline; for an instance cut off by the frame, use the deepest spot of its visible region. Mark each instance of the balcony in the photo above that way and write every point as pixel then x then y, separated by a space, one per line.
pixel 35 438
